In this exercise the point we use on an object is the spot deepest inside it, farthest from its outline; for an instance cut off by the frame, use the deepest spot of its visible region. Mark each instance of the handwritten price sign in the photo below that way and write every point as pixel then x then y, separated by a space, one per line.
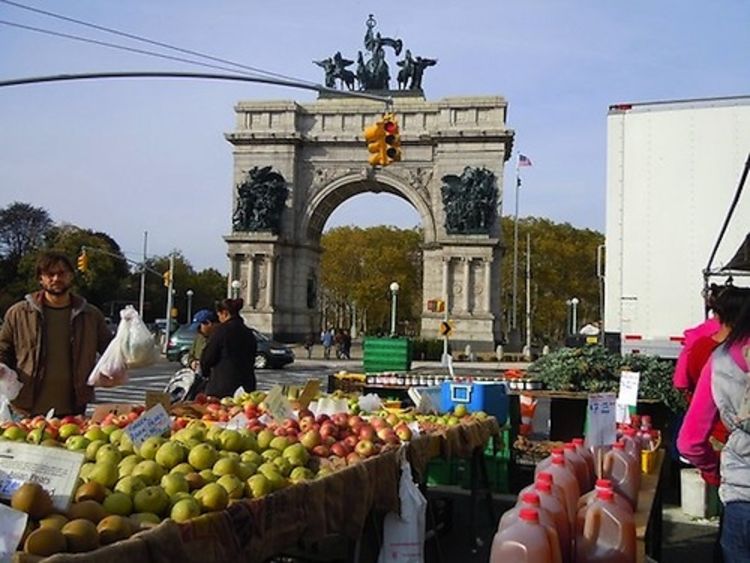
pixel 601 419
pixel 154 422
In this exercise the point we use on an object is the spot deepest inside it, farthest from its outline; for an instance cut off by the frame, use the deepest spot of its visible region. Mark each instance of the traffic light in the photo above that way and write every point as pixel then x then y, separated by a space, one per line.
pixel 375 137
pixel 167 278
pixel 392 139
pixel 436 305
pixel 83 261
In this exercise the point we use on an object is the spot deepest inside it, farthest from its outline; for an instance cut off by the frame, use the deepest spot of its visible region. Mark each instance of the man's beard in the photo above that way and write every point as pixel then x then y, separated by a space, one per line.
pixel 57 289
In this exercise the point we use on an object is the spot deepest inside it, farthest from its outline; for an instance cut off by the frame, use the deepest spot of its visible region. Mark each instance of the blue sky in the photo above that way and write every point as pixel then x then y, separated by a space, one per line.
pixel 131 156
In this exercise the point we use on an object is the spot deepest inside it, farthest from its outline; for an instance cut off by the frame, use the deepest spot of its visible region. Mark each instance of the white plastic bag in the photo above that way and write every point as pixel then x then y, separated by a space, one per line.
pixel 138 347
pixel 111 369
pixel 9 389
pixel 403 536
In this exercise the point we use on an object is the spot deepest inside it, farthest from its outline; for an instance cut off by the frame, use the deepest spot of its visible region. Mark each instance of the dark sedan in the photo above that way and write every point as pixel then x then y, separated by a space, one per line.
pixel 270 354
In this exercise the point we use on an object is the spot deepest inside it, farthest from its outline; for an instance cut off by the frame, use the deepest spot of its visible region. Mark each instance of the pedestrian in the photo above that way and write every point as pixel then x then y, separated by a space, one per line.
pixel 338 340
pixel 347 344
pixel 309 344
pixel 326 338
pixel 207 321
pixel 51 339
pixel 228 360
pixel 723 393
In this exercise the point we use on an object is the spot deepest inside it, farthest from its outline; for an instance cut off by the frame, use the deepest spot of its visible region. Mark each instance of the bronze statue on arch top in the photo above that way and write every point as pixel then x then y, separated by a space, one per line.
pixel 372 71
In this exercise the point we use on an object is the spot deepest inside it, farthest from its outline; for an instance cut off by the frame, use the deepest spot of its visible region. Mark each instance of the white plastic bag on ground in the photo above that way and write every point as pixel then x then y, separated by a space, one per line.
pixel 139 347
pixel 10 387
pixel 403 536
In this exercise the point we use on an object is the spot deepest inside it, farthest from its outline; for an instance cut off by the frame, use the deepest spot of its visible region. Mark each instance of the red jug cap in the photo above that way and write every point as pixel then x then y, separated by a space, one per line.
pixel 578 441
pixel 529 514
pixel 545 476
pixel 618 446
pixel 605 494
pixel 604 483
pixel 569 446
pixel 544 486
pixel 558 451
pixel 558 460
pixel 530 498
pixel 630 431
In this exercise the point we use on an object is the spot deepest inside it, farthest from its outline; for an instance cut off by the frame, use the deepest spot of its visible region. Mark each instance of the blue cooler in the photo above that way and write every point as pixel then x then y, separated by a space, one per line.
pixel 491 398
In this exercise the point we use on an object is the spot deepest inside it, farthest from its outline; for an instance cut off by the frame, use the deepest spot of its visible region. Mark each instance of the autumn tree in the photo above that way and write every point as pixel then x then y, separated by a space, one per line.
pixel 358 266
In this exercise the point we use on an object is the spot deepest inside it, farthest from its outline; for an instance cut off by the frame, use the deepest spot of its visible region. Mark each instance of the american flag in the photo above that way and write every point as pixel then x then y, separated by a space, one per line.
pixel 523 160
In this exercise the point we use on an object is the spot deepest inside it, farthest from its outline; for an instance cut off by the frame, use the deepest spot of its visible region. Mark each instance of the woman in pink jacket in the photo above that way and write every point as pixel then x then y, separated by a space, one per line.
pixel 723 392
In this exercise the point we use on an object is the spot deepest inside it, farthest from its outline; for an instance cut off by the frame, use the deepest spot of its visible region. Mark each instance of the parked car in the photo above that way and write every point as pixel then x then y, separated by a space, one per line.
pixel 270 354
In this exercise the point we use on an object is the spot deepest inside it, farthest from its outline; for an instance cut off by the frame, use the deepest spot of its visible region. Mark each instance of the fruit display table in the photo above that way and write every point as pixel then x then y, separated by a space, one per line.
pixel 255 530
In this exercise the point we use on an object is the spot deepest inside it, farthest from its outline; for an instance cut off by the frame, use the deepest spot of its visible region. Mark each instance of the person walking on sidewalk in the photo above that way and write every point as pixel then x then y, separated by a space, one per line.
pixel 326 338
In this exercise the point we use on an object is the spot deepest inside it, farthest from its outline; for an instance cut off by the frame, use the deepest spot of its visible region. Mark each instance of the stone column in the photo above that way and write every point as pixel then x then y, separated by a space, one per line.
pixel 446 274
pixel 467 280
pixel 487 282
pixel 250 281
pixel 270 266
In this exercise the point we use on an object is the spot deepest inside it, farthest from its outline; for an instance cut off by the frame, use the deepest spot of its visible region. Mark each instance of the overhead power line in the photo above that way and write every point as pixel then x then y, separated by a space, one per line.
pixel 147 40
pixel 116 46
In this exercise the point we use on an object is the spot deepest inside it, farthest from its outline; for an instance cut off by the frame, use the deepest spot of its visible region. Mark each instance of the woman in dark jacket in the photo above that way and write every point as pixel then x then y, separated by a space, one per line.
pixel 228 360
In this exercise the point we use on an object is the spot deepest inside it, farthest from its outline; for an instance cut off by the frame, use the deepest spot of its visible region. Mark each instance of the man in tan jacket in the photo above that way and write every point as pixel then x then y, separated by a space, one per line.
pixel 51 339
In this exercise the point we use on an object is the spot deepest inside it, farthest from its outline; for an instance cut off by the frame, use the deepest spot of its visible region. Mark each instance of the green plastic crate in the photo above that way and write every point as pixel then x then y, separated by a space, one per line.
pixel 387 354
pixel 441 472
pixel 497 474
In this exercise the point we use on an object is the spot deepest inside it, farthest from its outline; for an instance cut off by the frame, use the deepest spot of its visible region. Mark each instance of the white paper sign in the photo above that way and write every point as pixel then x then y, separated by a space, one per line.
pixel 237 422
pixel 277 405
pixel 55 469
pixel 12 525
pixel 601 419
pixel 628 394
pixel 154 422
pixel 622 415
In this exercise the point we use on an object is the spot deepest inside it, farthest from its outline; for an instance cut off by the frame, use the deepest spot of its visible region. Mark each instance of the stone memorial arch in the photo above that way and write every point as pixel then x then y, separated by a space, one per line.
pixel 294 163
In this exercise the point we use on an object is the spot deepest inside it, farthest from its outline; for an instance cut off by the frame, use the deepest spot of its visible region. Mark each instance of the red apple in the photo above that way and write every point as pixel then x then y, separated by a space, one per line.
pixel 328 429
pixel 341 419
pixel 377 422
pixel 355 420
pixel 321 418
pixel 351 441
pixel 280 431
pixel 366 432
pixel 403 432
pixel 387 434
pixel 321 451
pixel 339 449
pixel 352 458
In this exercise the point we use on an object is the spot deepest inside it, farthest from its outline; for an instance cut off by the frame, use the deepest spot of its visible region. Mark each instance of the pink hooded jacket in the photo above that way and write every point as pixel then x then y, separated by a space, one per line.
pixel 709 327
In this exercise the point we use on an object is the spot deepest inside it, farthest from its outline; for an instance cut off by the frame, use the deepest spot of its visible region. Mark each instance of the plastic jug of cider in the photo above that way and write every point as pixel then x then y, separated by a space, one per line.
pixel 587 455
pixel 580 467
pixel 632 443
pixel 563 474
pixel 607 532
pixel 531 499
pixel 555 507
pixel 526 541
pixel 624 472
pixel 601 485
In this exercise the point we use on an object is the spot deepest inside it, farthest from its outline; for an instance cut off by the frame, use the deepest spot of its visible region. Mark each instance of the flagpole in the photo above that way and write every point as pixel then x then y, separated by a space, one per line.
pixel 514 317
pixel 528 296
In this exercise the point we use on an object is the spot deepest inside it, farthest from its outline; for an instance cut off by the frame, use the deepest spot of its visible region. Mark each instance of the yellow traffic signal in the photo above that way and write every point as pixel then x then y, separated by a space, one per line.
pixel 375 137
pixel 83 261
pixel 166 277
pixel 392 139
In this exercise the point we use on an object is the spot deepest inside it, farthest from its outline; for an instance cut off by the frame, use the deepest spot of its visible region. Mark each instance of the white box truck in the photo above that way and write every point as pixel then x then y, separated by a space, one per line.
pixel 673 169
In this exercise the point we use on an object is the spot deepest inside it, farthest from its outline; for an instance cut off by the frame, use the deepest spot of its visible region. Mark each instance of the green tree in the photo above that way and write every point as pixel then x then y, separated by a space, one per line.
pixel 22 230
pixel 357 268
pixel 563 265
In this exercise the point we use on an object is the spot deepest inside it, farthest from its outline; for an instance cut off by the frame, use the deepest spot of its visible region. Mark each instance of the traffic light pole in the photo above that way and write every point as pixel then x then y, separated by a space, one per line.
pixel 142 294
pixel 169 302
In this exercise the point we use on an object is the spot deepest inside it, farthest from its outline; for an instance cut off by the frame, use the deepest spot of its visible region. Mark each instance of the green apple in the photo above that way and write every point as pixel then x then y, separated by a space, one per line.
pixel 150 446
pixel 231 440
pixel 67 430
pixel 118 503
pixel 130 485
pixel 174 483
pixel 116 435
pixel 245 470
pixel 279 443
pixel 148 470
pixel 183 468
pixel 151 499
pixel 212 497
pixel 232 485
pixel 251 457
pixel 177 497
pixel 284 466
pixel 226 466
pixel 300 474
pixel 92 448
pixel 185 509
pixel 108 453
pixel 15 434
pixel 208 476
pixel 77 443
pixel 297 454
pixel 202 456
pixel 270 454
pixel 109 428
pixel 170 454
pixel 258 486
pixel 85 470
pixel 127 464
pixel 126 444
pixel 94 433
pixel 264 439
pixel 250 440
pixel 104 473
pixel 141 519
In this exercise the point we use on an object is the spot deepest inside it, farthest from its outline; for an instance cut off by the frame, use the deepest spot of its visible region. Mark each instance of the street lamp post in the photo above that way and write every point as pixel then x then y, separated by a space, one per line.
pixel 235 289
pixel 574 318
pixel 189 294
pixel 394 303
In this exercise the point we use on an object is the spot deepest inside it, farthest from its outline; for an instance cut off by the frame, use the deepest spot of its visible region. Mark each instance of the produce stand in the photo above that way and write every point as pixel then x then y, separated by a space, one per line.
pixel 255 530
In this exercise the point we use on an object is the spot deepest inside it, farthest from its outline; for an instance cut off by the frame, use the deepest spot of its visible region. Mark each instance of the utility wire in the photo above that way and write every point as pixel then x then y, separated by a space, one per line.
pixel 116 46
pixel 150 41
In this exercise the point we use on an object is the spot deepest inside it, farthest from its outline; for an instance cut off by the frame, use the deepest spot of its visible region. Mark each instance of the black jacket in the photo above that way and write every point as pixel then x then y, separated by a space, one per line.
pixel 228 360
